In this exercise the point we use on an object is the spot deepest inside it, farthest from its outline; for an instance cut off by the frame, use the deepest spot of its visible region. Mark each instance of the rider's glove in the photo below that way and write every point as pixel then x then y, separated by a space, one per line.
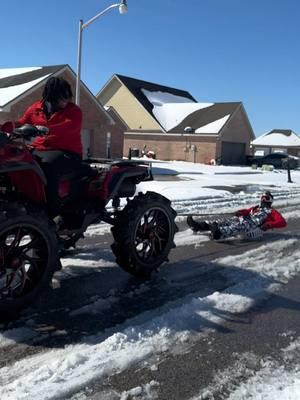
pixel 8 127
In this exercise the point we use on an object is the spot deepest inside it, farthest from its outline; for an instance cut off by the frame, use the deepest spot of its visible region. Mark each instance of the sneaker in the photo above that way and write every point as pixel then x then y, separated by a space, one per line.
pixel 215 231
pixel 197 226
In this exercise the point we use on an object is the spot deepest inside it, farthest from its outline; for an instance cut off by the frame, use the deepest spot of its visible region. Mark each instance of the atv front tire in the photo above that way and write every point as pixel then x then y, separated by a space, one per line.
pixel 144 234
pixel 28 257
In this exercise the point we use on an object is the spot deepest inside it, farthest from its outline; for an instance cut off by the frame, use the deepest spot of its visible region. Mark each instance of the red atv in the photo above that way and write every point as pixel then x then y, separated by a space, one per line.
pixel 31 238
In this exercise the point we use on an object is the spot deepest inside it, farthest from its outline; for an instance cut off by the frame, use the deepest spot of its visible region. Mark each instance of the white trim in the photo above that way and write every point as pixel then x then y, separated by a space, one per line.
pixel 107 83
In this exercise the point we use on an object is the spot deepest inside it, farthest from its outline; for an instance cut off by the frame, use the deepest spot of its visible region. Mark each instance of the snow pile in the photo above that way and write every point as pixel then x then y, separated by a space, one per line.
pixel 274 381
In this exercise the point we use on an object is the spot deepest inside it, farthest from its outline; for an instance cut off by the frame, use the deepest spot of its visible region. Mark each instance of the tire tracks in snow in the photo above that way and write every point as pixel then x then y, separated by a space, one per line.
pixel 234 201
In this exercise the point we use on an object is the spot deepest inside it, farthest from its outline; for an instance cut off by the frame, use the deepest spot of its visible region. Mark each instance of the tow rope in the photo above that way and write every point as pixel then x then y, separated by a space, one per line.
pixel 203 215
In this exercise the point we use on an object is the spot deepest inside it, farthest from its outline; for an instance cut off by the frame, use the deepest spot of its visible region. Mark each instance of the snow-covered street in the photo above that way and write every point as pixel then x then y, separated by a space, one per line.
pixel 100 334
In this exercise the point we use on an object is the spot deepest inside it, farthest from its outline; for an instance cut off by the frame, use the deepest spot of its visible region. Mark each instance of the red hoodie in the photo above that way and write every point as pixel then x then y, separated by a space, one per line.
pixel 64 127
pixel 273 220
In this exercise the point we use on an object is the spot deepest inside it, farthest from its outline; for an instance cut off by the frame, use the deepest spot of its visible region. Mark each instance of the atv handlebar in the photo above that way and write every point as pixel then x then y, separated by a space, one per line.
pixel 28 131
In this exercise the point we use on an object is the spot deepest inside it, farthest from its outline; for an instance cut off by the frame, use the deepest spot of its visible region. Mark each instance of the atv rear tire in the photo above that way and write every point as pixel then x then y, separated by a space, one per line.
pixel 28 257
pixel 144 234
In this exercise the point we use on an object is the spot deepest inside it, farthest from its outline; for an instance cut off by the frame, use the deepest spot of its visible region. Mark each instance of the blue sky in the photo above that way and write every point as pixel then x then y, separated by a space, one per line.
pixel 218 50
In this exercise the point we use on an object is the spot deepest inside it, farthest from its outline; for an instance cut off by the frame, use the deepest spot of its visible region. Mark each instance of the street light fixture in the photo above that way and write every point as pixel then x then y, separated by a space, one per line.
pixel 122 5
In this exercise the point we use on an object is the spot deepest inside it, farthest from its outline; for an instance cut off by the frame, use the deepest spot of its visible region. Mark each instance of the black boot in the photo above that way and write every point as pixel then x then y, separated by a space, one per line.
pixel 197 226
pixel 215 231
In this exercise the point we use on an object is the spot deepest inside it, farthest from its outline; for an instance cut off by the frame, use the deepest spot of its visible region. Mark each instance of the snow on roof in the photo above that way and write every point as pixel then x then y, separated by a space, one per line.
pixel 170 115
pixel 160 98
pixel 9 93
pixel 213 127
pixel 170 109
pixel 5 72
pixel 277 139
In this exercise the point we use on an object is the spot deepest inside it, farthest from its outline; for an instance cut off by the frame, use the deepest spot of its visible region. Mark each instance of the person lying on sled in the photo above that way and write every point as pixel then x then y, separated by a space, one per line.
pixel 261 216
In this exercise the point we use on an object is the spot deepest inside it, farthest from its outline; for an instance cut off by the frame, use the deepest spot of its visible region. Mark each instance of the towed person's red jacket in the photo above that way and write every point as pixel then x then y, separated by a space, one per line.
pixel 273 220
pixel 64 127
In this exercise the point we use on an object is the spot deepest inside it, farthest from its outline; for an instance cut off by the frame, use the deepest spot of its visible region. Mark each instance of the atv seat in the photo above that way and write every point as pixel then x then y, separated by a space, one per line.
pixel 87 171
pixel 84 171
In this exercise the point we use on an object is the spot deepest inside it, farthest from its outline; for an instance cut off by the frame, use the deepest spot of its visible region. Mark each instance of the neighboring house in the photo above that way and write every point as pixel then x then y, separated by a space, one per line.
pixel 277 140
pixel 102 132
pixel 173 125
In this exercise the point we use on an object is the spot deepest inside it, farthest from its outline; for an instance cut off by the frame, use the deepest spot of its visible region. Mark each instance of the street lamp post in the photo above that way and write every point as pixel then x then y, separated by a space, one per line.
pixel 82 25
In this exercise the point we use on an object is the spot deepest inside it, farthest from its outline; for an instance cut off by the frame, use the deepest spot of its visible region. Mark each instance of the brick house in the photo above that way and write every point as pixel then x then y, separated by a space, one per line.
pixel 102 131
pixel 277 140
pixel 174 125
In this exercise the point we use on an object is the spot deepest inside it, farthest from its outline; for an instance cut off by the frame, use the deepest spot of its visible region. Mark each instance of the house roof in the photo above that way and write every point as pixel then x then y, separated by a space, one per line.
pixel 150 94
pixel 208 120
pixel 176 109
pixel 278 137
pixel 135 86
pixel 16 81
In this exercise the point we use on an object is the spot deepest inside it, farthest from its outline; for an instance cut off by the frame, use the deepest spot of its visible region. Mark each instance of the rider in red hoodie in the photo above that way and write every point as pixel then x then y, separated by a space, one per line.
pixel 56 112
pixel 60 150
pixel 262 216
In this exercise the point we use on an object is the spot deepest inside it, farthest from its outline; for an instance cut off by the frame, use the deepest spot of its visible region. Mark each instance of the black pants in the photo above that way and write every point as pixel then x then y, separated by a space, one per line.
pixel 56 163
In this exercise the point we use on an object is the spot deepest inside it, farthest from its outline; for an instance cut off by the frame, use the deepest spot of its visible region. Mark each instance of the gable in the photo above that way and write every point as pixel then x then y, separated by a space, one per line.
pixel 238 128
pixel 115 94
